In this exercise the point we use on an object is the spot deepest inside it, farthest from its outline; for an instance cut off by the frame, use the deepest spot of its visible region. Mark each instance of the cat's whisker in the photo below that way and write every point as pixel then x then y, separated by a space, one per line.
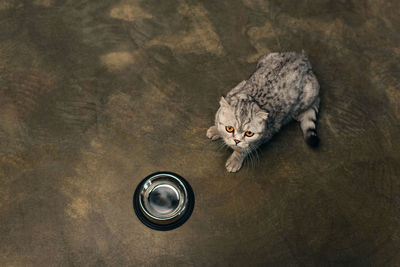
pixel 256 153
pixel 209 144
pixel 253 163
pixel 250 157
pixel 253 160
pixel 222 146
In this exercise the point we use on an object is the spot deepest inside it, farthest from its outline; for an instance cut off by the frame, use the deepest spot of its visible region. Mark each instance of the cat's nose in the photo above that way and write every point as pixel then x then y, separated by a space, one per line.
pixel 236 141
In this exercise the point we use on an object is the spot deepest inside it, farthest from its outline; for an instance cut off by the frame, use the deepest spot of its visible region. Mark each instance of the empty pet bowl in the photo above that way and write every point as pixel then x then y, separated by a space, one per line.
pixel 163 201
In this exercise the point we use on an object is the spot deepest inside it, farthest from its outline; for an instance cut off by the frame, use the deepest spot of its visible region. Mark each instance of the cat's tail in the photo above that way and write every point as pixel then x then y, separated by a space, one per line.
pixel 308 124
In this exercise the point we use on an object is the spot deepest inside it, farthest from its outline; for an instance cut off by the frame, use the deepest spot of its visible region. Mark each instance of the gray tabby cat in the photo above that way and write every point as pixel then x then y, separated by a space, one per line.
pixel 282 88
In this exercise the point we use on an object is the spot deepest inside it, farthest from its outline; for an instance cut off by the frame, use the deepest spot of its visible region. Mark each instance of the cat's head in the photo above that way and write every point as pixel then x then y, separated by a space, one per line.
pixel 241 123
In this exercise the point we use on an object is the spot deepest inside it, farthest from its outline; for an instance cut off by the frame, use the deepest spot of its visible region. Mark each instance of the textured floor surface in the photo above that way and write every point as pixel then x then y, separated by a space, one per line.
pixel 95 95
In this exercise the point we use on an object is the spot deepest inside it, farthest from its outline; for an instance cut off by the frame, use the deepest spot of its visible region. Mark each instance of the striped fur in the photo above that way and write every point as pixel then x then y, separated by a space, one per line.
pixel 308 124
pixel 282 88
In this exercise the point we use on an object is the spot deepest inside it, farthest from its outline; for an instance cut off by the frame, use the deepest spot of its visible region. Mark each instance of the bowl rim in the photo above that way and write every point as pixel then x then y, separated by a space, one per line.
pixel 177 182
pixel 169 226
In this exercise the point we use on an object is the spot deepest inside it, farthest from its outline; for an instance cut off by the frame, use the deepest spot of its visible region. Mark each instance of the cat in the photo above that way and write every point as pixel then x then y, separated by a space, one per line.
pixel 282 88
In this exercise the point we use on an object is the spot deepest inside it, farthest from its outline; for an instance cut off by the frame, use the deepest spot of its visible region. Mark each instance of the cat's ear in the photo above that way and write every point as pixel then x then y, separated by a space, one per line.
pixel 223 102
pixel 262 114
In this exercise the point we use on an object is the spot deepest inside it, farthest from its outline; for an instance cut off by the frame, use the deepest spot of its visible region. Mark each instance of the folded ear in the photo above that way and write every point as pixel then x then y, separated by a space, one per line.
pixel 262 115
pixel 223 102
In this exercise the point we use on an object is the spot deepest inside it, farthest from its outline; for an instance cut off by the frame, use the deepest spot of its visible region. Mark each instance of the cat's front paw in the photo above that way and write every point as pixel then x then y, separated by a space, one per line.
pixel 212 133
pixel 235 162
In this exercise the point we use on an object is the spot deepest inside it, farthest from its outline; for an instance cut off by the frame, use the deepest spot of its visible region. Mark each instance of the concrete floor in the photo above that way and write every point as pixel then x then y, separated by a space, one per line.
pixel 95 95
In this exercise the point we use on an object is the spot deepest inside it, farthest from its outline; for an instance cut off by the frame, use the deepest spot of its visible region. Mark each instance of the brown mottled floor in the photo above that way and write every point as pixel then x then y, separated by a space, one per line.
pixel 95 95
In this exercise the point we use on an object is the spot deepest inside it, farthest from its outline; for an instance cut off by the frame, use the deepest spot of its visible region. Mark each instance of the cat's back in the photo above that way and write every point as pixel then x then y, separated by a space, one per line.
pixel 285 68
pixel 279 77
pixel 276 60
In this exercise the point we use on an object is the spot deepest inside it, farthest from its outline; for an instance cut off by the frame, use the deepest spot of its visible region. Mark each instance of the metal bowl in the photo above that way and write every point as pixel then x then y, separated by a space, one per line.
pixel 163 201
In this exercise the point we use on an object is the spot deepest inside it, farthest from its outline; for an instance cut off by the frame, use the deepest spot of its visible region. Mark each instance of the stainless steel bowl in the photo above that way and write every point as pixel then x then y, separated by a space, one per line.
pixel 163 200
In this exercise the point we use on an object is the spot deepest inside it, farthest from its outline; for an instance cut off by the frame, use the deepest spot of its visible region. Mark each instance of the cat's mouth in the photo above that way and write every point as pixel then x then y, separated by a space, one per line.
pixel 237 147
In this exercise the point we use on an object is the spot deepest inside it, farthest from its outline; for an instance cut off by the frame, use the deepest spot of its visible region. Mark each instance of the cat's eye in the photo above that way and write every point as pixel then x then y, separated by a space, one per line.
pixel 249 134
pixel 229 129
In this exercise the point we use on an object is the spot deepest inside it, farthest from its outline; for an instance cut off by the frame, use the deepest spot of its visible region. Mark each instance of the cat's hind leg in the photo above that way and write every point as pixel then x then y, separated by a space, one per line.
pixel 308 124
pixel 213 133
